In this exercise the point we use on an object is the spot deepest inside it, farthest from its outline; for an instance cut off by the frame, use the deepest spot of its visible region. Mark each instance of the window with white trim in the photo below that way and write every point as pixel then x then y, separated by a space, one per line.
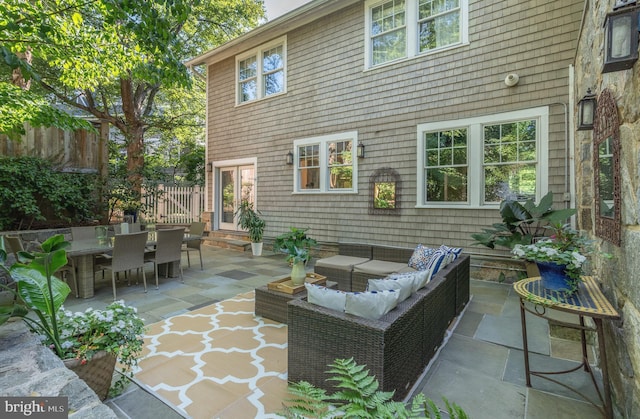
pixel 397 29
pixel 326 164
pixel 477 162
pixel 261 72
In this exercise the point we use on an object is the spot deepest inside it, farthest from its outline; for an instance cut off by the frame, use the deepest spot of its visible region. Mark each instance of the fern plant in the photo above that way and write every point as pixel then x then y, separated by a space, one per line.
pixel 358 397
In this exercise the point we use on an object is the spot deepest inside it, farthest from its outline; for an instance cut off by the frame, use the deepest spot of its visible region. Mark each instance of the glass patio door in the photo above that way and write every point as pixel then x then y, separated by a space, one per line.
pixel 237 183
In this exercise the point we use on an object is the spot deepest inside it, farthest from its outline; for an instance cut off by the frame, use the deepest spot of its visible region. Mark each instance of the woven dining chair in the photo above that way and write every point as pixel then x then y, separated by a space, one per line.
pixel 168 249
pixel 128 254
pixel 196 229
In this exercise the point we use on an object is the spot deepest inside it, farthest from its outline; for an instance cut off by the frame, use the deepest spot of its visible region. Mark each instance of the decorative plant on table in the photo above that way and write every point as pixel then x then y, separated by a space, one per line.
pixel 522 224
pixel 297 246
pixel 358 397
pixel 116 331
pixel 249 220
pixel 563 253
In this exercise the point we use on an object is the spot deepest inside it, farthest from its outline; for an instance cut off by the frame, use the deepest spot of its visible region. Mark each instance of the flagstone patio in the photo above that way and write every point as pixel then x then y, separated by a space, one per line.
pixel 480 367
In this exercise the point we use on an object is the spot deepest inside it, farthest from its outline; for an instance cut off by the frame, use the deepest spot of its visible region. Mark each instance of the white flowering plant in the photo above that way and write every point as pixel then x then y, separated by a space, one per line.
pixel 39 298
pixel 117 330
pixel 564 247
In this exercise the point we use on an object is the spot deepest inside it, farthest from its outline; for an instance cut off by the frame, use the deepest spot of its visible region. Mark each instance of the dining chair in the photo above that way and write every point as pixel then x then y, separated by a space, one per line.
pixel 128 254
pixel 168 250
pixel 196 229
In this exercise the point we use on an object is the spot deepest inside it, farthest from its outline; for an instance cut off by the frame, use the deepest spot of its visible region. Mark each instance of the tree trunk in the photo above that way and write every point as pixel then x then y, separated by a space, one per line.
pixel 16 77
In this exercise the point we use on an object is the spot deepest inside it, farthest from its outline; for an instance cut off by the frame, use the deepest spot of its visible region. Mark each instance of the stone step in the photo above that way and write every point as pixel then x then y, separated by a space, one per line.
pixel 228 240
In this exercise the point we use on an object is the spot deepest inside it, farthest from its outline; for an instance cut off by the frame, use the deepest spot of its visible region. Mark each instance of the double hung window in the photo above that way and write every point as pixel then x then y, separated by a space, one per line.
pixel 261 72
pixel 479 161
pixel 398 29
pixel 326 164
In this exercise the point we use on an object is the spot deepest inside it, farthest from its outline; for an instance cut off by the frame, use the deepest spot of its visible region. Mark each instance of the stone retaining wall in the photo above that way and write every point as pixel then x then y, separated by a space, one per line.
pixel 29 369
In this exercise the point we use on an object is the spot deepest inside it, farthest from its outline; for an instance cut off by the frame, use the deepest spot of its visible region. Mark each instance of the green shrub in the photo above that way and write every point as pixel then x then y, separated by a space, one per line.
pixel 33 192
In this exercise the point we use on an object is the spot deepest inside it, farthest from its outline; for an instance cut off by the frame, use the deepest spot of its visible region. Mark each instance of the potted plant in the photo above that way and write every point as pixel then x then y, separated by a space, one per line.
pixel 249 220
pixel 297 246
pixel 522 223
pixel 560 257
pixel 81 340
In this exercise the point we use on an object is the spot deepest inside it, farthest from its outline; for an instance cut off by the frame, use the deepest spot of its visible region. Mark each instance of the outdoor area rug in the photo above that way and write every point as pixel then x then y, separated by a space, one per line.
pixel 219 361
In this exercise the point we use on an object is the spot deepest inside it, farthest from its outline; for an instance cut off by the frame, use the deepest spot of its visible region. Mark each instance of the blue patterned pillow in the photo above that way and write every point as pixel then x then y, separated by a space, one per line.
pixel 452 252
pixel 420 257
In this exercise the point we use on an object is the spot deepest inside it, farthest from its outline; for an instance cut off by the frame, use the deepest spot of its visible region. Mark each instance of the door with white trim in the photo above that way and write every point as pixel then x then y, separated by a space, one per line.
pixel 237 183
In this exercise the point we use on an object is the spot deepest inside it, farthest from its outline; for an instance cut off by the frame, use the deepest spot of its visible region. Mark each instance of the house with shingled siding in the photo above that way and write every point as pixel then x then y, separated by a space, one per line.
pixel 452 103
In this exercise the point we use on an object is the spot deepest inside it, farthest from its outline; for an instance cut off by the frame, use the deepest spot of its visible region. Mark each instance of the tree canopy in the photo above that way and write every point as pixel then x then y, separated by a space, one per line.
pixel 112 58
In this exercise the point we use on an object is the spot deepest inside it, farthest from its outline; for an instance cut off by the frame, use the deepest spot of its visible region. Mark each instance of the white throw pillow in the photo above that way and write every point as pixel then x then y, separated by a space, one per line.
pixel 371 305
pixel 419 278
pixel 404 285
pixel 325 297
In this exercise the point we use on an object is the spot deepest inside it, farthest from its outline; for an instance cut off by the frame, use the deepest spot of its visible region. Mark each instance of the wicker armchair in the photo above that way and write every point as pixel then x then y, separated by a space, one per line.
pixel 395 348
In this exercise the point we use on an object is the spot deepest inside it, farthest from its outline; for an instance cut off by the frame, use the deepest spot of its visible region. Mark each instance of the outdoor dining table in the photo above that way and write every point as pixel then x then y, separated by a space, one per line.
pixel 83 252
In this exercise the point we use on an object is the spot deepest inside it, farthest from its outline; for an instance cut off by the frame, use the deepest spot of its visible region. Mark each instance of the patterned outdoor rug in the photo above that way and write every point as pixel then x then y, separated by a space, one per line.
pixel 219 361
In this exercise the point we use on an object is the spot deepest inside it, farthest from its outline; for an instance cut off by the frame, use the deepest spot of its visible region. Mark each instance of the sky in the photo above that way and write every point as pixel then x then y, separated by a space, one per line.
pixel 276 8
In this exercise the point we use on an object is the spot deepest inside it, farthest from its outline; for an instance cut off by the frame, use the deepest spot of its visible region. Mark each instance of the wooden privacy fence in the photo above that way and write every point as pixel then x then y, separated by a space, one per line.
pixel 173 204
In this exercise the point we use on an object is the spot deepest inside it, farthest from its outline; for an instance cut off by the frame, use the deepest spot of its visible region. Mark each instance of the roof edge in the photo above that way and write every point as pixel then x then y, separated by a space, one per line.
pixel 294 19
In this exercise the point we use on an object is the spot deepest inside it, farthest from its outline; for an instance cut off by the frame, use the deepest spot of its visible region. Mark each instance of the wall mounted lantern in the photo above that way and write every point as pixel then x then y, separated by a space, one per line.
pixel 586 111
pixel 360 151
pixel 209 167
pixel 289 158
pixel 621 37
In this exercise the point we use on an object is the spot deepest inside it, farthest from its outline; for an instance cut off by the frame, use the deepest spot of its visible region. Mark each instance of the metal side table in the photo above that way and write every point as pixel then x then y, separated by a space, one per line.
pixel 587 302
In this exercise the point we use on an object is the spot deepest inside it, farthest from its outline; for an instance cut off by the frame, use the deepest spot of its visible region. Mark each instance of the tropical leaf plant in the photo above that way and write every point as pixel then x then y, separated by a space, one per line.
pixel 38 289
pixel 522 223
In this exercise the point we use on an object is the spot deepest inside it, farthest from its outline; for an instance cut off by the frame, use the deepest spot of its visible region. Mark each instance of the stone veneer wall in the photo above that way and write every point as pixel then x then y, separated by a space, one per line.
pixel 620 276
pixel 29 369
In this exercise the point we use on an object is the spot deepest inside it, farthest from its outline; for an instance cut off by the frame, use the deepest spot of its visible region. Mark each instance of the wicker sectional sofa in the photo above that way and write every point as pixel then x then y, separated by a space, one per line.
pixel 395 348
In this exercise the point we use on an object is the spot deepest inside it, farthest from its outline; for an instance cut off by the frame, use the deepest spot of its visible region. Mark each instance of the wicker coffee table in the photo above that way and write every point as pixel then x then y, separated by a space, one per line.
pixel 272 304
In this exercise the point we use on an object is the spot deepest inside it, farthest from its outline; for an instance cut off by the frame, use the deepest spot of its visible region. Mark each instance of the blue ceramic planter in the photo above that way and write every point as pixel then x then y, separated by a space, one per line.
pixel 553 276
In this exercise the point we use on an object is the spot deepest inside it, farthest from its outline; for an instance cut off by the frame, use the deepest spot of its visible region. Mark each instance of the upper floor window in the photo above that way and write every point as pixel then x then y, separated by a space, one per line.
pixel 326 164
pixel 399 29
pixel 261 72
pixel 478 161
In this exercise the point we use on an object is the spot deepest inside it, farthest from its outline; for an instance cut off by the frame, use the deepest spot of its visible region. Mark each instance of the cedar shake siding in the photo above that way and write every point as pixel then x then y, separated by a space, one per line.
pixel 329 91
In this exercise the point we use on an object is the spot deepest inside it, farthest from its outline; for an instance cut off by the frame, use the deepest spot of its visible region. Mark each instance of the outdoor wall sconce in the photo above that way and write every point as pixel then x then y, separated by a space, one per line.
pixel 621 37
pixel 360 150
pixel 209 167
pixel 290 158
pixel 586 111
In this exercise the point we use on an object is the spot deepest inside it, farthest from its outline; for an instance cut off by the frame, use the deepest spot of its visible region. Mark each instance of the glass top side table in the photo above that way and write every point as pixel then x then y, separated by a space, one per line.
pixel 587 302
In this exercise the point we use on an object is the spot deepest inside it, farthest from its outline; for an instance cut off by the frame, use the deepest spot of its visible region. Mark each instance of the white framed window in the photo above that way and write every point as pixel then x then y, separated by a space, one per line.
pixel 399 29
pixel 261 72
pixel 326 164
pixel 476 162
